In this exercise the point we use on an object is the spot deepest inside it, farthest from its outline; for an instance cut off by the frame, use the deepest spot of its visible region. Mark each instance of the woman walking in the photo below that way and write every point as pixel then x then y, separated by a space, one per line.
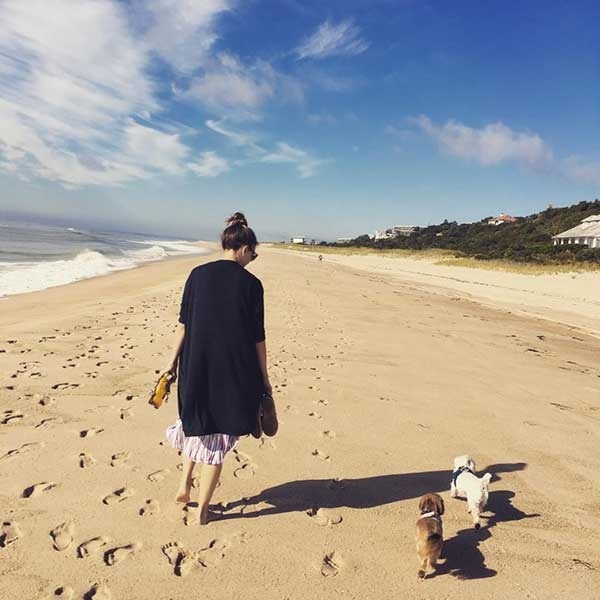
pixel 222 360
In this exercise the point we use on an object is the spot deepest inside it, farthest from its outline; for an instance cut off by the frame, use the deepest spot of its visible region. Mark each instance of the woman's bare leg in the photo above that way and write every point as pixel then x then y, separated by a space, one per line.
pixel 185 485
pixel 209 477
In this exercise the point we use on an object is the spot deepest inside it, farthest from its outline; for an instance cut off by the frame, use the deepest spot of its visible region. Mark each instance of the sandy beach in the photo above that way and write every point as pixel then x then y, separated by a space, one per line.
pixel 381 378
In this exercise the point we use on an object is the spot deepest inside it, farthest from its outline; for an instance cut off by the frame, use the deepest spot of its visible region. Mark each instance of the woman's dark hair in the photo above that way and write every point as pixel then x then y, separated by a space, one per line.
pixel 237 233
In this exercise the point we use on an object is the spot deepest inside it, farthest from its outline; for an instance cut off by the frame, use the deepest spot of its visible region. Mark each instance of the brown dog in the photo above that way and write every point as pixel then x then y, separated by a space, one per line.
pixel 429 535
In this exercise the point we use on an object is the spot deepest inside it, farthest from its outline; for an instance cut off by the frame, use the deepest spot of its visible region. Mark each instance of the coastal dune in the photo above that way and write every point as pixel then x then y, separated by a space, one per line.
pixel 380 380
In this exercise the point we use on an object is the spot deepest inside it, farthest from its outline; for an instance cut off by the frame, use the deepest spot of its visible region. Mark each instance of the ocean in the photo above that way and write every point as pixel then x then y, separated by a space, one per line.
pixel 35 256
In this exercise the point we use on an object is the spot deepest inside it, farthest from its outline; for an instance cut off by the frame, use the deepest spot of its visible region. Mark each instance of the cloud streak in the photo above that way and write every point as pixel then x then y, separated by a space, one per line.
pixel 283 153
pixel 342 39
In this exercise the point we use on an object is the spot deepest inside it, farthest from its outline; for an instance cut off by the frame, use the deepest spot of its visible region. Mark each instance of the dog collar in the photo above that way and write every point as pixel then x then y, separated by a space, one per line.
pixel 463 469
pixel 427 515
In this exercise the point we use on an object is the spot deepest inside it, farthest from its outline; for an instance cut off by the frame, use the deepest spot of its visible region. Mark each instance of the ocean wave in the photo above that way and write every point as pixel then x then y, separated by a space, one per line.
pixel 21 277
pixel 173 247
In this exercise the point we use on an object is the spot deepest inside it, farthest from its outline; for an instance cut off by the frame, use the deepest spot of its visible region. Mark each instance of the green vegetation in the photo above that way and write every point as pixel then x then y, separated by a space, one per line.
pixel 528 240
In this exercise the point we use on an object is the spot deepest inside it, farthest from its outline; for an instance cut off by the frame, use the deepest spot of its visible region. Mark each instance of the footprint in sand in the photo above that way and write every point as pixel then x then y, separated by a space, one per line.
pixel 98 591
pixel 328 434
pixel 315 415
pixel 118 496
pixel 246 471
pixel 117 555
pixel 192 513
pixel 24 449
pixel 65 592
pixel 62 536
pixel 86 460
pixel 320 454
pixel 331 564
pixel 324 517
pixel 46 422
pixel 337 484
pixel 64 386
pixel 90 432
pixel 265 444
pixel 9 533
pixel 38 488
pixel 47 401
pixel 183 562
pixel 158 475
pixel 92 546
pixel 152 507
pixel 10 415
pixel 125 413
pixel 119 459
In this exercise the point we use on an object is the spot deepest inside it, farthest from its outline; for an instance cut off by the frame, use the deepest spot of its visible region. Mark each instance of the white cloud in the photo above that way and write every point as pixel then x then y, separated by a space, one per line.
pixel 329 39
pixel 182 32
pixel 306 165
pixel 581 170
pixel 229 87
pixel 153 148
pixel 66 103
pixel 491 145
pixel 209 165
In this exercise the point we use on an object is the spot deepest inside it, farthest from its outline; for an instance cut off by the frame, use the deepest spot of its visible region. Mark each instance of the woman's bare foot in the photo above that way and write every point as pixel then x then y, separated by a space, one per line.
pixel 183 493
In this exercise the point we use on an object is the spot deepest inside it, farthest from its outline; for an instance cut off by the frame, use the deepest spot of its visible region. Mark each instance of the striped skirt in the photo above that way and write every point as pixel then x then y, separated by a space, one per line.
pixel 208 449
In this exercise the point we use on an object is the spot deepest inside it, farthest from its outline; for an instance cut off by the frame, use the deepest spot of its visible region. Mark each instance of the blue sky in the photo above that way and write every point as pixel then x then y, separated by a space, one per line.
pixel 325 119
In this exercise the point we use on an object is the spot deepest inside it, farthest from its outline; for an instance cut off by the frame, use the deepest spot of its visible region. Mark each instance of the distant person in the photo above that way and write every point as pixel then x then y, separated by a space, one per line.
pixel 320 257
pixel 222 362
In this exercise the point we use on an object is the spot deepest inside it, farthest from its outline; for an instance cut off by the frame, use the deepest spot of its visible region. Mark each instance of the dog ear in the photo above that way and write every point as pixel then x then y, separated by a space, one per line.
pixel 486 478
pixel 471 464
pixel 423 503
pixel 440 503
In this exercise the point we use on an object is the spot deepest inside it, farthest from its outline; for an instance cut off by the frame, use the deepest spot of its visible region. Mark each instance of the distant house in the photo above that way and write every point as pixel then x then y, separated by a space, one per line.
pixel 344 240
pixel 501 218
pixel 392 232
pixel 586 233
pixel 296 239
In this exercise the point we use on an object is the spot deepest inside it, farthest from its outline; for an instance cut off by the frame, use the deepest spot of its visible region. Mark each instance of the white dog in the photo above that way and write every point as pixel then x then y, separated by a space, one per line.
pixel 467 485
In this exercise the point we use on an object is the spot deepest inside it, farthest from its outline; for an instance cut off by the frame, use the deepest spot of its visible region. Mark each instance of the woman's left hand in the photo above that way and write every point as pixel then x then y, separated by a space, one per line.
pixel 268 387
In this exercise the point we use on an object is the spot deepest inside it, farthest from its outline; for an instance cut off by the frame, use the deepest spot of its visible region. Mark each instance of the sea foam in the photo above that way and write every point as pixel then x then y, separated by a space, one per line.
pixel 21 277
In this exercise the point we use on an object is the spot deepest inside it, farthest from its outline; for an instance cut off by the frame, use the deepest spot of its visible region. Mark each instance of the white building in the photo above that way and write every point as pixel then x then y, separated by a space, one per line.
pixel 393 232
pixel 587 232
pixel 297 239
pixel 501 218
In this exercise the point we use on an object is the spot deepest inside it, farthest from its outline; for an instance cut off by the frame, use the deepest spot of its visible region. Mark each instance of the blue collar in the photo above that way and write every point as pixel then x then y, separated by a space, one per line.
pixel 463 469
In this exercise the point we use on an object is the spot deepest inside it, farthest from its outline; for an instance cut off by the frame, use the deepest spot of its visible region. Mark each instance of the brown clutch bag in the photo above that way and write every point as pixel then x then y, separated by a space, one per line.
pixel 162 389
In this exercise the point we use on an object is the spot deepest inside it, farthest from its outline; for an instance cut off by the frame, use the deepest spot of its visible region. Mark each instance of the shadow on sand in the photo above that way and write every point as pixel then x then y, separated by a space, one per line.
pixel 367 492
pixel 463 558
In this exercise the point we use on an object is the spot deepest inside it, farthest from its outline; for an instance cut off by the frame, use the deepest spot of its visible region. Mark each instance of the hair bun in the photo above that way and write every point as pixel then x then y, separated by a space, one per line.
pixel 236 218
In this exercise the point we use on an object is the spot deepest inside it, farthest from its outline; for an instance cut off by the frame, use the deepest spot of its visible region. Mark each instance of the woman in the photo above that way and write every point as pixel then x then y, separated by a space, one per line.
pixel 222 360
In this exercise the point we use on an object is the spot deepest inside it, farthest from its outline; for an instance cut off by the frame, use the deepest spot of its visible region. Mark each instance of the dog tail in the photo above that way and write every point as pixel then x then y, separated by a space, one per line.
pixel 486 479
pixel 432 537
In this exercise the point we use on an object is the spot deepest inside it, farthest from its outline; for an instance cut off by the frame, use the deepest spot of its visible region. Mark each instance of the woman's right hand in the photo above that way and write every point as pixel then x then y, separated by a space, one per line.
pixel 173 370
